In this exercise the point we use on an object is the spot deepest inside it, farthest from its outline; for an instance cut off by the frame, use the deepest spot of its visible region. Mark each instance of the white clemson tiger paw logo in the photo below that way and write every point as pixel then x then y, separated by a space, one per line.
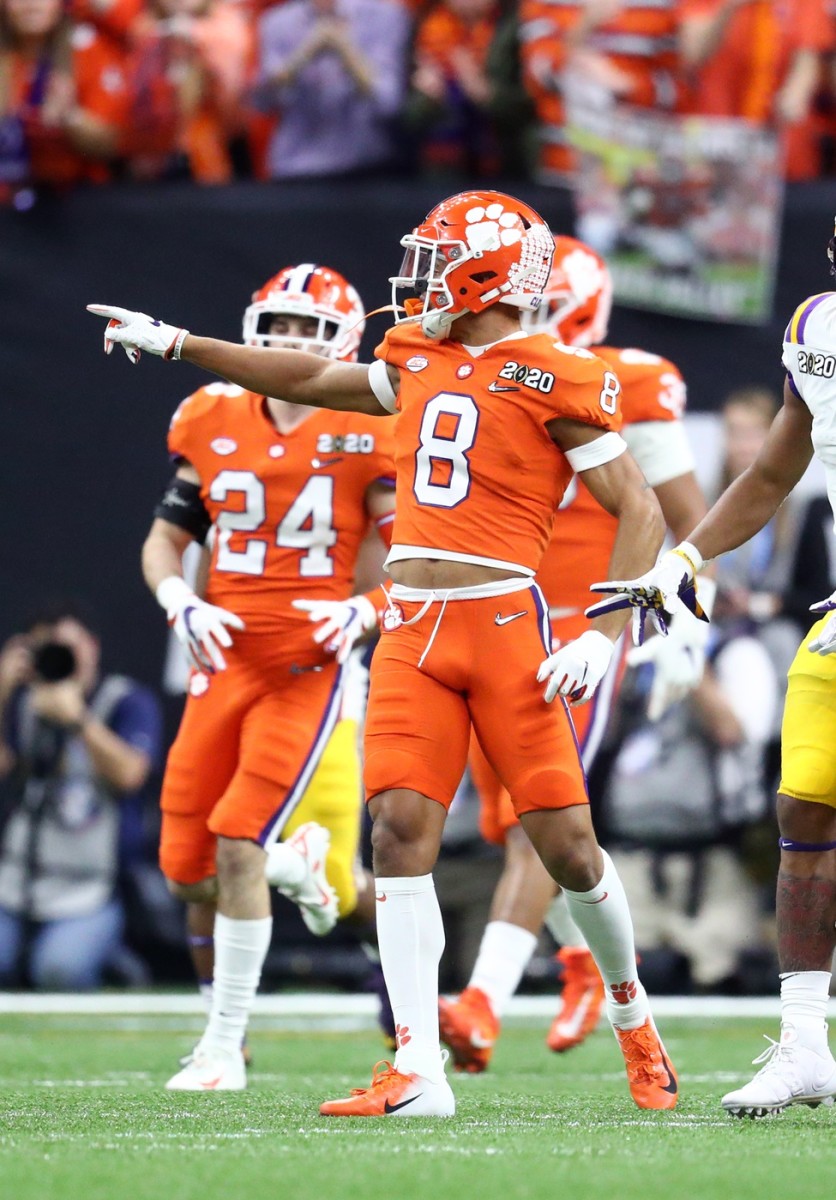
pixel 491 227
pixel 584 274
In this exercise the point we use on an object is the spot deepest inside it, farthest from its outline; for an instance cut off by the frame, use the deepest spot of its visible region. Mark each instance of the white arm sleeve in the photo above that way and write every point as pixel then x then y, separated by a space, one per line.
pixel 594 454
pixel 660 448
pixel 381 385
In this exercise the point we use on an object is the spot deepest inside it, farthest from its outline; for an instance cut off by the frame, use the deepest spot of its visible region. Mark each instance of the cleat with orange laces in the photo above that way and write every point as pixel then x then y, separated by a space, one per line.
pixel 394 1094
pixel 652 1079
pixel 581 1001
pixel 468 1026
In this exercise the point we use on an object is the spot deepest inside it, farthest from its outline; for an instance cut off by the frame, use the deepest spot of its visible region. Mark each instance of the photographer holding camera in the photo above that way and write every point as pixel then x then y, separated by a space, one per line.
pixel 75 749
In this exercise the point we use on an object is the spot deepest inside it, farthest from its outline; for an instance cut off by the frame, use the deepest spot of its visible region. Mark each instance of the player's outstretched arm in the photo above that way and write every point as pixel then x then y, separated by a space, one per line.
pixel 291 375
pixel 742 510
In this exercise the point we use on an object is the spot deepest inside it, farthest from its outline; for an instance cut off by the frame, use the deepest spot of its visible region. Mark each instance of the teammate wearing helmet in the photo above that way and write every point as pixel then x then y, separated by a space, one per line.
pixel 289 493
pixel 492 423
pixel 798 1069
pixel 576 309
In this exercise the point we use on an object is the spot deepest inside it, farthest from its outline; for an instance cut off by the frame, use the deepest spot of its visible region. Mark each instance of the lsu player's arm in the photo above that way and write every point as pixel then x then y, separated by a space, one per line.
pixel 754 498
pixel 619 487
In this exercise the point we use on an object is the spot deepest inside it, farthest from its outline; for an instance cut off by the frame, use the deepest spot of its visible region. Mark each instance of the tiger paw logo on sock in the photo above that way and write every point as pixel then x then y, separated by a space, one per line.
pixel 402 1035
pixel 623 993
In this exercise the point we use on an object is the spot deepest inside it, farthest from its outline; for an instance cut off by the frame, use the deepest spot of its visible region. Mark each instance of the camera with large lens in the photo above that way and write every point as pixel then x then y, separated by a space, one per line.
pixel 53 661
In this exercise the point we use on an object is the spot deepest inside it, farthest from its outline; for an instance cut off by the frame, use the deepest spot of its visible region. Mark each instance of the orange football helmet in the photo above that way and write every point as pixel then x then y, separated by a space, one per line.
pixel 578 297
pixel 473 250
pixel 319 293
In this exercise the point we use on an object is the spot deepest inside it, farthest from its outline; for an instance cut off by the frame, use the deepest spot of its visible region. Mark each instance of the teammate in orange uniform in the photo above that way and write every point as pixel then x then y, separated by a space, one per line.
pixel 290 493
pixel 492 422
pixel 577 310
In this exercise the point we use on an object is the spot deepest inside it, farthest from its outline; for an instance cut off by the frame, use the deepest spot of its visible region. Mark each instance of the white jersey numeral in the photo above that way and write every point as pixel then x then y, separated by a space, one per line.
pixel 307 525
pixel 442 470
pixel 250 560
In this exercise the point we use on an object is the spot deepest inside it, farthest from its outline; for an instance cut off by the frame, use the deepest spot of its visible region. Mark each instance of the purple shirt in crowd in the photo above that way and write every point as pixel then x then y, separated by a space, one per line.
pixel 328 126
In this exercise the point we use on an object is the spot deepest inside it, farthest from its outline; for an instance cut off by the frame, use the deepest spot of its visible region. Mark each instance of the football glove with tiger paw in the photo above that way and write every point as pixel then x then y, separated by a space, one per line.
pixel 136 331
pixel 200 628
pixel 577 668
pixel 339 622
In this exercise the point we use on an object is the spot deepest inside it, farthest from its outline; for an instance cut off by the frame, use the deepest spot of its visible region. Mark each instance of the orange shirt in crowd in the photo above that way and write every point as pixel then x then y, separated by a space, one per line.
pixel 640 40
pixel 99 85
pixel 442 33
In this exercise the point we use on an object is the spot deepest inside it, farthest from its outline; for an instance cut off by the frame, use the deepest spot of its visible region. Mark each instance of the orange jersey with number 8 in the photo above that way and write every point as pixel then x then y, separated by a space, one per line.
pixel 288 509
pixel 478 476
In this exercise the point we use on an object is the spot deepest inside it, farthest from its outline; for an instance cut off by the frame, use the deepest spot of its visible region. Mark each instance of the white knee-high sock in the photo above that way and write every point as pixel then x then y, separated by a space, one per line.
pixel 504 953
pixel 603 917
pixel 804 998
pixel 240 950
pixel 410 936
pixel 562 926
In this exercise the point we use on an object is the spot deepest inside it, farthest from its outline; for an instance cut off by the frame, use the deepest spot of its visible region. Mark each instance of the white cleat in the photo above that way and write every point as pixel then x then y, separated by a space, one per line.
pixel 791 1074
pixel 314 895
pixel 210 1072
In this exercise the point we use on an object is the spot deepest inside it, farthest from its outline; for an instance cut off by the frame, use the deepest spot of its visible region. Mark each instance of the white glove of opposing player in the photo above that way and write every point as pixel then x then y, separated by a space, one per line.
pixel 343 622
pixel 136 331
pixel 825 641
pixel 678 660
pixel 577 668
pixel 655 593
pixel 199 627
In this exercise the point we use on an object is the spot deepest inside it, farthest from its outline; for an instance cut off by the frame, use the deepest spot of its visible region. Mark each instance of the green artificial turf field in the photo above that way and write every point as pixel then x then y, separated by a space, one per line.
pixel 83 1114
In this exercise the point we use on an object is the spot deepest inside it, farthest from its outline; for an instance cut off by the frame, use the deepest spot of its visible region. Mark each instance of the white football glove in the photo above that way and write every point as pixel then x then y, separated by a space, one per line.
pixel 577 668
pixel 200 628
pixel 825 641
pixel 678 660
pixel 655 593
pixel 343 622
pixel 136 331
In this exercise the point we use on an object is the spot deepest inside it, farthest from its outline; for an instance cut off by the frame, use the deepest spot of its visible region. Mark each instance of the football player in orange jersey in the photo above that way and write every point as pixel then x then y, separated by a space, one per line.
pixel 492 423
pixel 576 310
pixel 290 493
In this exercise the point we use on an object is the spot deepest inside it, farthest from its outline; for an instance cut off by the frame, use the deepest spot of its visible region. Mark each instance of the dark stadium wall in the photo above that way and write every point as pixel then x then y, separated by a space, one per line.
pixel 83 437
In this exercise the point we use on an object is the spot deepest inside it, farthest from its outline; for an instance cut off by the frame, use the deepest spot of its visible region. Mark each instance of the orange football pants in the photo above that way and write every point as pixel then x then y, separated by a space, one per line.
pixel 466 657
pixel 249 741
pixel 496 808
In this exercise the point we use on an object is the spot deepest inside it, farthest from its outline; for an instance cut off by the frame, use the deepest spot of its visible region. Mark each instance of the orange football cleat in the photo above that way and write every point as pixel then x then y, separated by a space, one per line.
pixel 581 1001
pixel 652 1079
pixel 469 1028
pixel 393 1094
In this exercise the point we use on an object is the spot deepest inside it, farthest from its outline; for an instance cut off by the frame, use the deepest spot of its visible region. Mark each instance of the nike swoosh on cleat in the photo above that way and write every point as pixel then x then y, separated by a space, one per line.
pixel 380 897
pixel 480 1043
pixel 671 1086
pixel 500 620
pixel 390 1108
pixel 213 1083
pixel 600 899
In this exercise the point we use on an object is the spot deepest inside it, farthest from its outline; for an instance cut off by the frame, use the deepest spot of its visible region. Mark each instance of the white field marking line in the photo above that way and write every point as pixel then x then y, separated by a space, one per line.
pixel 339 1005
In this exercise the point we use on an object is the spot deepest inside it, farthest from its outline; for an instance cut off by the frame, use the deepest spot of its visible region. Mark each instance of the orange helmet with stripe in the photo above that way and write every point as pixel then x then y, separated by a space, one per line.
pixel 315 292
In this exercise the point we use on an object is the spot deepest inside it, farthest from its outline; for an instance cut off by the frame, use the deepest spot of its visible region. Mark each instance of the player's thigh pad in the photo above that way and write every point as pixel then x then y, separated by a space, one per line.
pixel 417 728
pixel 808 731
pixel 283 736
pixel 531 744
pixel 333 798
pixel 200 765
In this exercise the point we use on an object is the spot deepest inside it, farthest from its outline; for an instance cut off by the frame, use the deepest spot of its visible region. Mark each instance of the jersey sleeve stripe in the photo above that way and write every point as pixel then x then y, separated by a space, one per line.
pixel 802 315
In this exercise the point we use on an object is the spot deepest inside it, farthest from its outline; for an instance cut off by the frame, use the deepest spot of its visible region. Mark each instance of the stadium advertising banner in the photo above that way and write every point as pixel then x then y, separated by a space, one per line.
pixel 686 210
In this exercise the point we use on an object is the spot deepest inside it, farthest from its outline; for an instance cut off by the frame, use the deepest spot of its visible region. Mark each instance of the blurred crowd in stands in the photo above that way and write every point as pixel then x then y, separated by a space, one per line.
pixel 213 90
pixel 685 803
